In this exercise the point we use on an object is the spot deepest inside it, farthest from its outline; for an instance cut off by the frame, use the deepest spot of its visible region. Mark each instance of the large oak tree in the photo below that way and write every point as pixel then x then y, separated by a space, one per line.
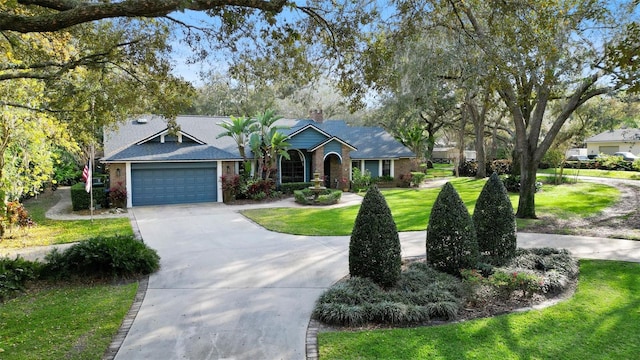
pixel 536 53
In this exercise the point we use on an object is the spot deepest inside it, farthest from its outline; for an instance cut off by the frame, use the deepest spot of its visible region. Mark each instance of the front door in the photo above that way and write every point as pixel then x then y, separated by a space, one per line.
pixel 327 172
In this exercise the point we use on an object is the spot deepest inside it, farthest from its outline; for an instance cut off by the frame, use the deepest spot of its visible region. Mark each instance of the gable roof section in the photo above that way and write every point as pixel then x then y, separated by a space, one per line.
pixel 372 142
pixel 618 135
pixel 165 132
pixel 293 131
pixel 131 141
pixel 155 151
pixel 333 138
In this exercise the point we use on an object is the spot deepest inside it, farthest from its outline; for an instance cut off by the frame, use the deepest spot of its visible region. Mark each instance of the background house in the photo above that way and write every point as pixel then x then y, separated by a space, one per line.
pixel 158 168
pixel 609 142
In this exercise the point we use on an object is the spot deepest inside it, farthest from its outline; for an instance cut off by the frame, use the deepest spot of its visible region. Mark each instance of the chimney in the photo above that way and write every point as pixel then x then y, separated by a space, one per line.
pixel 316 115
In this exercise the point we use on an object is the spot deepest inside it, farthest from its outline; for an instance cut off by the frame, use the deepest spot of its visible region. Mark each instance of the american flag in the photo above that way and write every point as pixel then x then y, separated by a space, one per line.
pixel 86 176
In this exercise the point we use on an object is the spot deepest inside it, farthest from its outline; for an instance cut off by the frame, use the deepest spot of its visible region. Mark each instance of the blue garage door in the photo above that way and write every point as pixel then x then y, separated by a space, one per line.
pixel 173 183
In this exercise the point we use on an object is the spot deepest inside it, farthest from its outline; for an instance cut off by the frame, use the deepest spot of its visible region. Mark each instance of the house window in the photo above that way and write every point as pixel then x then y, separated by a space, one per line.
pixel 292 170
pixel 355 164
pixel 386 167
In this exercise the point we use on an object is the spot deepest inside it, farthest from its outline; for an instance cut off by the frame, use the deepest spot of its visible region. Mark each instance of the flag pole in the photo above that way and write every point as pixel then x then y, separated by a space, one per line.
pixel 91 181
pixel 91 156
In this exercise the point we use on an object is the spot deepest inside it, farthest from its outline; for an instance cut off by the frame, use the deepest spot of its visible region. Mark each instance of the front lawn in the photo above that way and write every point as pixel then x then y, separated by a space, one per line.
pixel 440 170
pixel 601 321
pixel 50 232
pixel 614 174
pixel 411 207
pixel 70 321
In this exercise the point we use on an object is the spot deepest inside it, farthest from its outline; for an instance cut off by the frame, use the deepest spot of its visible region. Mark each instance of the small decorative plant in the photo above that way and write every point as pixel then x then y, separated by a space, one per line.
pixel 118 195
pixel 230 186
pixel 344 183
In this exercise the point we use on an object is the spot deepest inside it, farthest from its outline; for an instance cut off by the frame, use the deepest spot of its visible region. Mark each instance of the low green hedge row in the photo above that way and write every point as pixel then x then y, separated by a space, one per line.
pixel 81 200
pixel 289 188
pixel 326 197
pixel 101 257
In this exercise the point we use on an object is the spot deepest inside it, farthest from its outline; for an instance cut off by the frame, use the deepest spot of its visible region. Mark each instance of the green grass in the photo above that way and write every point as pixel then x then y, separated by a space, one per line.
pixel 65 322
pixel 50 232
pixel 411 208
pixel 440 170
pixel 601 321
pixel 614 174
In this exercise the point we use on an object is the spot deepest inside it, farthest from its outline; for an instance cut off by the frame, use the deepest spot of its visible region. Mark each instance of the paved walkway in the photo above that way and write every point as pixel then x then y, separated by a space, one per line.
pixel 229 289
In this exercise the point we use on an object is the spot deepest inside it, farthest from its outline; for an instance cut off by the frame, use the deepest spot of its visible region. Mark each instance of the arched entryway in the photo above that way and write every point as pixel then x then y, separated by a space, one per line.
pixel 333 170
pixel 292 169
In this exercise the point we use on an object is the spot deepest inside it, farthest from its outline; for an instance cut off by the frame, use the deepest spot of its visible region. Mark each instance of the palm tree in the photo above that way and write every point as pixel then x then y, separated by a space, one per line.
pixel 415 139
pixel 277 146
pixel 240 129
pixel 266 142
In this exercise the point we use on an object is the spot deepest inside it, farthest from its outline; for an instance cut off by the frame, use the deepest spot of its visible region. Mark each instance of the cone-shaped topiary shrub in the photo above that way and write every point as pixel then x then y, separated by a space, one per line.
pixel 374 249
pixel 495 223
pixel 451 236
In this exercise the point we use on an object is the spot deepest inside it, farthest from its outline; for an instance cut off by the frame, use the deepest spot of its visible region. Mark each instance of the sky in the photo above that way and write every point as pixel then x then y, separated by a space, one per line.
pixel 181 51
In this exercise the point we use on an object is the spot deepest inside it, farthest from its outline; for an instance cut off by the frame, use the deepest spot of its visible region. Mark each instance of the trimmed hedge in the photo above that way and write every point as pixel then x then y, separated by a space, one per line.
pixel 14 274
pixel 451 236
pixel 374 248
pixel 81 200
pixel 470 168
pixel 495 222
pixel 289 188
pixel 117 256
pixel 326 197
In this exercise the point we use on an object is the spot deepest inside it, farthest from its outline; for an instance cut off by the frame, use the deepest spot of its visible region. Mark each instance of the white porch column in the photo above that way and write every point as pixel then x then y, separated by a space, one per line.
pixel 218 181
pixel 392 171
pixel 127 170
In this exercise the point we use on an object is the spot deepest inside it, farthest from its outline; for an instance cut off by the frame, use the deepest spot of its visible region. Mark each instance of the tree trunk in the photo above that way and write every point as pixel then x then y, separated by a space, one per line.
pixel 431 142
pixel 516 162
pixel 463 124
pixel 478 129
pixel 493 154
pixel 526 203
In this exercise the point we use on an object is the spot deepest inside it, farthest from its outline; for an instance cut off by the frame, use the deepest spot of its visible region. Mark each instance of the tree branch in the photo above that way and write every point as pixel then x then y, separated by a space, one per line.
pixel 27 107
pixel 60 5
pixel 52 69
pixel 71 12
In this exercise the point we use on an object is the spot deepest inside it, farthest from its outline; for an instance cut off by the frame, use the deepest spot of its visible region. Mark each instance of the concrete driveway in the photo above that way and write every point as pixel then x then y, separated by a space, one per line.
pixel 228 288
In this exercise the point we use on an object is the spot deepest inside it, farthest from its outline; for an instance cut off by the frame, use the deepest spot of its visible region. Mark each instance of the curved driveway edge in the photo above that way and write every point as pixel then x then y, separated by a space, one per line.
pixel 229 289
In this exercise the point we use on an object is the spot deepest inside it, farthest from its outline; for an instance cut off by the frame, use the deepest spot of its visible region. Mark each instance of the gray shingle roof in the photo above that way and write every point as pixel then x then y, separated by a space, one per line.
pixel 372 142
pixel 121 144
pixel 616 135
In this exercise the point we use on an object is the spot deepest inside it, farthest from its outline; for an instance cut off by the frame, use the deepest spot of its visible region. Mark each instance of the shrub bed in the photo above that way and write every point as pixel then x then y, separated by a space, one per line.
pixel 543 271
pixel 470 168
pixel 14 274
pixel 289 188
pixel 326 197
pixel 423 294
pixel 118 256
pixel 101 257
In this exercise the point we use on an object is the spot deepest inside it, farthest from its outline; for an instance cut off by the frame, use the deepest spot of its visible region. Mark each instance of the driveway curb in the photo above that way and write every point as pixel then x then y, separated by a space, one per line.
pixel 143 285
pixel 312 340
pixel 118 339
